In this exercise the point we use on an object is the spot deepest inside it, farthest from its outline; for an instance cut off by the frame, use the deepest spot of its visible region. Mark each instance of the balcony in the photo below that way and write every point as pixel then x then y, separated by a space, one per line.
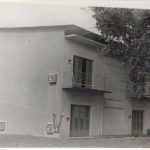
pixel 146 94
pixel 131 94
pixel 87 82
pixel 147 86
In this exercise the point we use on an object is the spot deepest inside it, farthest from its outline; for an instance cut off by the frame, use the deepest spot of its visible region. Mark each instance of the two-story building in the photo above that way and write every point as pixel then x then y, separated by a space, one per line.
pixel 53 81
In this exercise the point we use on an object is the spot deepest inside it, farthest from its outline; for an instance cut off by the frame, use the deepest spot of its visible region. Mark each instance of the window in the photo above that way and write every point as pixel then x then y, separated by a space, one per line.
pixel 82 70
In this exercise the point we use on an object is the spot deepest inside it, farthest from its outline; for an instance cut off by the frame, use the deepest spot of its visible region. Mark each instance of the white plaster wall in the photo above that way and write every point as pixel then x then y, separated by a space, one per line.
pixel 113 118
pixel 82 98
pixel 69 97
pixel 27 101
pixel 146 118
pixel 117 108
pixel 119 117
pixel 72 48
pixel 27 57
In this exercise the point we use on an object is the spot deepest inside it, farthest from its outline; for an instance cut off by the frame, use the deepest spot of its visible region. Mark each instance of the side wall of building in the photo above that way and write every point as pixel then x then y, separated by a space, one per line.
pixel 27 57
pixel 117 107
pixel 146 117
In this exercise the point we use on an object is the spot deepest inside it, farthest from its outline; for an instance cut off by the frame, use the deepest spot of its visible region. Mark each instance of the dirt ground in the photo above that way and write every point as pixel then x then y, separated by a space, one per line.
pixel 32 141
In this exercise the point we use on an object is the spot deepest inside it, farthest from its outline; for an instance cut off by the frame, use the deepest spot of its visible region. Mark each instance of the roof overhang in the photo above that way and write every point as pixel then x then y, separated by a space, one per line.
pixel 84 40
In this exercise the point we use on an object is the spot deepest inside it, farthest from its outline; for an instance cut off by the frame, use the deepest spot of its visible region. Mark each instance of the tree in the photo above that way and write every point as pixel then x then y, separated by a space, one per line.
pixel 127 32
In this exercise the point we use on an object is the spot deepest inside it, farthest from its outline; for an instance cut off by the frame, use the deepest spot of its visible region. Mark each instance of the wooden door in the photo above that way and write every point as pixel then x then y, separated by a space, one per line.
pixel 88 73
pixel 137 122
pixel 80 119
pixel 77 71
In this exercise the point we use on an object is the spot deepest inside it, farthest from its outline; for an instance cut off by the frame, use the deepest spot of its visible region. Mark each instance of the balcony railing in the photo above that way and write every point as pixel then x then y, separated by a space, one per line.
pixel 147 87
pixel 130 94
pixel 133 94
pixel 86 81
pixel 146 94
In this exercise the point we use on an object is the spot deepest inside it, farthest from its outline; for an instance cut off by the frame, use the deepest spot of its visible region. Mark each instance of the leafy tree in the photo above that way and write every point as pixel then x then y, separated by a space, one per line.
pixel 127 32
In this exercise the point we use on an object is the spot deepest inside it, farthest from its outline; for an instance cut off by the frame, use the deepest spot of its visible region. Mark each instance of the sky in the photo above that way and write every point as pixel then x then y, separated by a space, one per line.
pixel 26 14
pixel 16 13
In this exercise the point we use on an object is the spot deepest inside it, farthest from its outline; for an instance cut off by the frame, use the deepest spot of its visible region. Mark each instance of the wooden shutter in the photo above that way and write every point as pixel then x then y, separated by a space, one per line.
pixel 89 73
pixel 77 69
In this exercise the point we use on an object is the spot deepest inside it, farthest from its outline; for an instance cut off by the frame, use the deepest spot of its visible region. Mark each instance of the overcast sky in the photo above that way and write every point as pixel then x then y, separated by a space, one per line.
pixel 41 13
pixel 18 14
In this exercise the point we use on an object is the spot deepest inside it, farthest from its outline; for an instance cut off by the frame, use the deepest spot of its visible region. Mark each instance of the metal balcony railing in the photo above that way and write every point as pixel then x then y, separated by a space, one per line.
pixel 146 94
pixel 82 79
pixel 147 87
pixel 86 81
pixel 130 94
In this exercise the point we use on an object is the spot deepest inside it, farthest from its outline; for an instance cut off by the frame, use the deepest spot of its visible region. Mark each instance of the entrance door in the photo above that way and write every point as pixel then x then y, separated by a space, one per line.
pixel 80 118
pixel 82 69
pixel 137 122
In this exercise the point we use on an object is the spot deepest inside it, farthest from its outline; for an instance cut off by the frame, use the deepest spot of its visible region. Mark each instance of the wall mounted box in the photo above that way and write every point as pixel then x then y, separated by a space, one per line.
pixel 52 78
pixel 2 126
pixel 50 128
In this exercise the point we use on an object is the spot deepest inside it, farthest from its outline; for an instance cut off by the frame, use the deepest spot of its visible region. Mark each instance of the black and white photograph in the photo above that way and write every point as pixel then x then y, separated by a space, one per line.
pixel 74 76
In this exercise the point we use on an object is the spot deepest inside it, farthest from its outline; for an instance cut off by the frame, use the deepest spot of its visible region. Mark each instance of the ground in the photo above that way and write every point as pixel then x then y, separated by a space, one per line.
pixel 32 141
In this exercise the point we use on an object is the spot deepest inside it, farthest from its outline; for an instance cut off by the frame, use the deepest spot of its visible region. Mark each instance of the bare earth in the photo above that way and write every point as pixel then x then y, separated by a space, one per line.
pixel 31 141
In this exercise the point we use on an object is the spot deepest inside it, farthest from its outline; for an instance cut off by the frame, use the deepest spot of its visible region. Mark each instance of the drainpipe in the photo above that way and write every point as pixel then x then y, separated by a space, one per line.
pixel 103 97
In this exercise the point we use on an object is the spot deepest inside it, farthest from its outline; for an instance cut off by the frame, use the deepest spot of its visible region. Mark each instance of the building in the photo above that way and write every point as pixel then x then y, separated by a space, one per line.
pixel 54 82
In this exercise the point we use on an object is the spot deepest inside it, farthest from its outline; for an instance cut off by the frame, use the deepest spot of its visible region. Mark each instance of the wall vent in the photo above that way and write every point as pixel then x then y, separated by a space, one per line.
pixel 2 126
pixel 52 78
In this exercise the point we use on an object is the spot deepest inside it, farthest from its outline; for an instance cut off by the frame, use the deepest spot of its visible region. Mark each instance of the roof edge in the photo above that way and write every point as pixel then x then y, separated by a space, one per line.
pixel 39 27
pixel 52 27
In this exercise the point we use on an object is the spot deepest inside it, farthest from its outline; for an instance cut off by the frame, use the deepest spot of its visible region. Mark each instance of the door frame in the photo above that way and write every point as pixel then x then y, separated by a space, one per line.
pixel 142 122
pixel 89 132
pixel 82 59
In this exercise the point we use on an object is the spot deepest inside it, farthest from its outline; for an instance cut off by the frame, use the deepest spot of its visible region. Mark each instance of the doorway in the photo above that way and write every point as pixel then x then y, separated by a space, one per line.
pixel 82 70
pixel 80 120
pixel 137 122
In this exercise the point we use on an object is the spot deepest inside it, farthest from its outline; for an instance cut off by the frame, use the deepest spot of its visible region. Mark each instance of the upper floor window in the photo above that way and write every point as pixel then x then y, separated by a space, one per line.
pixel 82 70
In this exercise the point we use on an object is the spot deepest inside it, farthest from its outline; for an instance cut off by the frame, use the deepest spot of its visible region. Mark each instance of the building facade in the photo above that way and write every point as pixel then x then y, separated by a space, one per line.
pixel 54 82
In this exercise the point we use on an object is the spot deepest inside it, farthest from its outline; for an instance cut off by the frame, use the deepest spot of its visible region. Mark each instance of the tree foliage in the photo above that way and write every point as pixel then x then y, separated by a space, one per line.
pixel 127 32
